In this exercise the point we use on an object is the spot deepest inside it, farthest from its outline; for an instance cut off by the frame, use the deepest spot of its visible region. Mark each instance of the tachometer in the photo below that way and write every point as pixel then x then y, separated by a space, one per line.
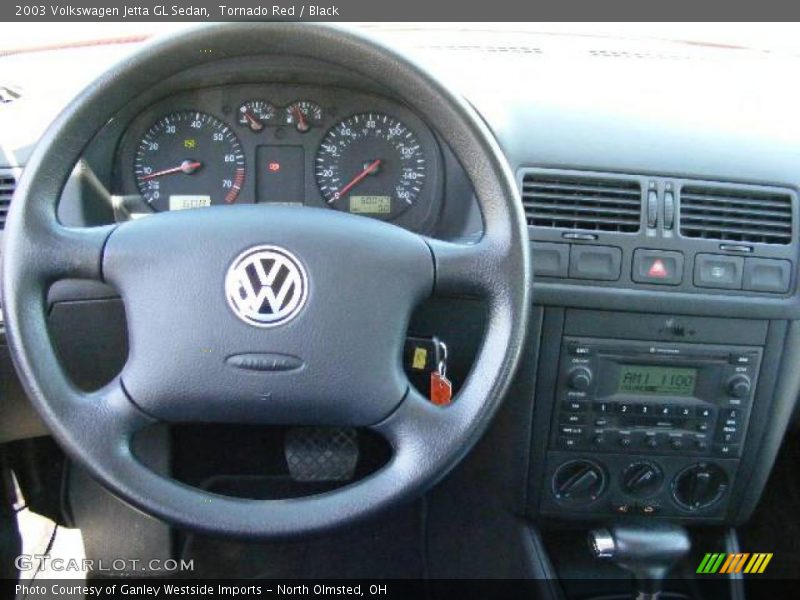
pixel 189 159
pixel 370 164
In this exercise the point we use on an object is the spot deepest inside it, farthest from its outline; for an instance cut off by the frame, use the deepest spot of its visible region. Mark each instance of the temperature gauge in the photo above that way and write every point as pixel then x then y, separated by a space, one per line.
pixel 256 114
pixel 304 115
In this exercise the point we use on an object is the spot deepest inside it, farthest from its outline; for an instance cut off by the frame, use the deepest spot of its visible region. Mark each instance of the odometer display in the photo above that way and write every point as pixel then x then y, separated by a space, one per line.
pixel 189 154
pixel 371 205
pixel 372 164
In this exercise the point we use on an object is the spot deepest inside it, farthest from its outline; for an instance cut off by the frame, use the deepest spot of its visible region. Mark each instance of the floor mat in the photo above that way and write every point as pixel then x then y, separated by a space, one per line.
pixel 388 547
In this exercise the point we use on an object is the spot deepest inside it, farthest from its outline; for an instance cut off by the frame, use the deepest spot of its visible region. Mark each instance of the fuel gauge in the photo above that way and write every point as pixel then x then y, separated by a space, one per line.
pixel 256 114
pixel 304 115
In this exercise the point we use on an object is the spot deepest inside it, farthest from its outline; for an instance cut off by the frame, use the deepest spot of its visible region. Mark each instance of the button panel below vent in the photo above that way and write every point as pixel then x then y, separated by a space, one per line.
pixel 590 203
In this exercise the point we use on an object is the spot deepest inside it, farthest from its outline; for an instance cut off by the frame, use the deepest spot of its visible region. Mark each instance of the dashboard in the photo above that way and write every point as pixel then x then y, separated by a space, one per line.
pixel 281 144
pixel 627 321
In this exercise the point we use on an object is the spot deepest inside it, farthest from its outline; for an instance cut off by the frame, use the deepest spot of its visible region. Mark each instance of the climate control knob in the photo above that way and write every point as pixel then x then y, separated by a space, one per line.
pixel 579 482
pixel 642 479
pixel 739 386
pixel 579 378
pixel 699 486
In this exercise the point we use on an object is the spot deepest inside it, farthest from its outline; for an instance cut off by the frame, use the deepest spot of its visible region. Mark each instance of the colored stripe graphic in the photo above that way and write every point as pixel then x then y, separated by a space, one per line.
pixel 734 563
pixel 729 562
pixel 758 563
pixel 704 563
pixel 711 563
pixel 715 567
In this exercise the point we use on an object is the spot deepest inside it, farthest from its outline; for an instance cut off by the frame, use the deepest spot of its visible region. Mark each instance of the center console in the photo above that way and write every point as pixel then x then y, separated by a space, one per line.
pixel 650 416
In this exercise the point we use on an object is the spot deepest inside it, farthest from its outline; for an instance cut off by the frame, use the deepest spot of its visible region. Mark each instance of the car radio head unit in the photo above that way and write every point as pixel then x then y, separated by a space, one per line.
pixel 654 397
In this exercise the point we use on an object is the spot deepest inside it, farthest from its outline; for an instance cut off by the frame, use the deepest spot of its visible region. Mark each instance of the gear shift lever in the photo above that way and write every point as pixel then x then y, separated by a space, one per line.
pixel 648 552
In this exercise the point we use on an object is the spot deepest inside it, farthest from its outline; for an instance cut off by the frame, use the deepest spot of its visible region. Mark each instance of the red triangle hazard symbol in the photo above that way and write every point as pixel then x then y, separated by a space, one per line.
pixel 657 269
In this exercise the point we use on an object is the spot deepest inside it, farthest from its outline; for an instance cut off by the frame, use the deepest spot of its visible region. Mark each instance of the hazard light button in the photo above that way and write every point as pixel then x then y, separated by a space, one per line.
pixel 657 266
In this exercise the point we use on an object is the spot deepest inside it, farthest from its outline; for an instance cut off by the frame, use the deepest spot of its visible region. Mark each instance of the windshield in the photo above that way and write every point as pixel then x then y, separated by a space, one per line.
pixel 765 37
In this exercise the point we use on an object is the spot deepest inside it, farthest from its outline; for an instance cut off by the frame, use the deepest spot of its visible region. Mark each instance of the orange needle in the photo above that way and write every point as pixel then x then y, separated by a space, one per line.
pixel 255 124
pixel 186 166
pixel 302 125
pixel 369 169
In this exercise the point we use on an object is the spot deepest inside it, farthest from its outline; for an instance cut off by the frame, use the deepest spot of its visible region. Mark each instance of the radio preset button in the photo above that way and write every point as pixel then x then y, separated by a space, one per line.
pixel 579 350
pixel 728 434
pixel 676 443
pixel 725 449
pixel 568 442
pixel 573 419
pixel 703 413
pixel 602 407
pixel 741 359
pixel 730 414
pixel 571 430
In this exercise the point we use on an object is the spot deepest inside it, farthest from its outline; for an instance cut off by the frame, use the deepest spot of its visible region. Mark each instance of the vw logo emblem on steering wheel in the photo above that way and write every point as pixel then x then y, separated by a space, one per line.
pixel 266 286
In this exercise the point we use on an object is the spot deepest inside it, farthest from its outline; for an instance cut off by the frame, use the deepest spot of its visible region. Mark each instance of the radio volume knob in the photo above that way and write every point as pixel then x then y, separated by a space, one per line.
pixel 739 386
pixel 579 378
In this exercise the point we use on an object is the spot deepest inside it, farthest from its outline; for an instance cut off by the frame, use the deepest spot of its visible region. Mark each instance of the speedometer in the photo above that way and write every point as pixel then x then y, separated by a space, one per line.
pixel 189 159
pixel 370 164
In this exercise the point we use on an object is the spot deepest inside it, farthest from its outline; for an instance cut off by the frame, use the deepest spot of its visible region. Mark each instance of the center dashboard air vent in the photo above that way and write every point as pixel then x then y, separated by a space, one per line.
pixel 736 214
pixel 586 202
pixel 7 185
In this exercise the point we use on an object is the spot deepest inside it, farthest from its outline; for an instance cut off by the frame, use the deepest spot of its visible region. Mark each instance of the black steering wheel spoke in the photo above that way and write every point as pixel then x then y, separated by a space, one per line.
pixel 465 268
pixel 76 252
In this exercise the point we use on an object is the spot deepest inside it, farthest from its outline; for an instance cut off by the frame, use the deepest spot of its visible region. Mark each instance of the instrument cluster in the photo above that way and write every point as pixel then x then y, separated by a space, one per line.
pixel 287 144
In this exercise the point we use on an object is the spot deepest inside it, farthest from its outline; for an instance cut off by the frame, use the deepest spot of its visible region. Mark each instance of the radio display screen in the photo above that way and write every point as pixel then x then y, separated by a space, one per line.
pixel 659 381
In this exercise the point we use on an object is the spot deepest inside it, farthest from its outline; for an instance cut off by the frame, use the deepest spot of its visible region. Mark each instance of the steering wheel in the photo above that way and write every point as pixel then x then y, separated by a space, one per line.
pixel 323 349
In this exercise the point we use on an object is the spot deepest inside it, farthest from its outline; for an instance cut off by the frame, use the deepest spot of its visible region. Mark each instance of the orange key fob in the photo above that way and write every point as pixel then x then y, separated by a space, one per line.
pixel 441 389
